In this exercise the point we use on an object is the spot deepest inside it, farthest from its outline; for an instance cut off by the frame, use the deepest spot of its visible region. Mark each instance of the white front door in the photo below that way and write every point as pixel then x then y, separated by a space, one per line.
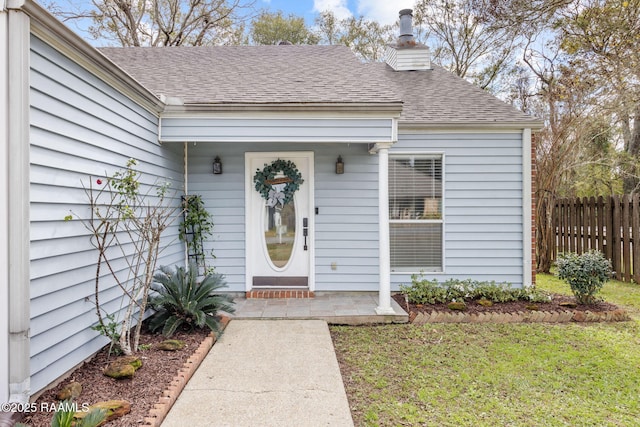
pixel 279 232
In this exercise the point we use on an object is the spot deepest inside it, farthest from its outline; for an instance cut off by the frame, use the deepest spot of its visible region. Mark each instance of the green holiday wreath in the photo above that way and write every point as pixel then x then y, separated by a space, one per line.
pixel 278 190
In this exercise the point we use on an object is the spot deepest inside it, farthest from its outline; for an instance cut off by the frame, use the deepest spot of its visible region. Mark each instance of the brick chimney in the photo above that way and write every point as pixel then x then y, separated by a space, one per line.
pixel 406 54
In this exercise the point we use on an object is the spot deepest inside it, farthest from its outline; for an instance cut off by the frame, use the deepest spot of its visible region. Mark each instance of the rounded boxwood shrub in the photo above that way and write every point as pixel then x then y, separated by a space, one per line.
pixel 586 274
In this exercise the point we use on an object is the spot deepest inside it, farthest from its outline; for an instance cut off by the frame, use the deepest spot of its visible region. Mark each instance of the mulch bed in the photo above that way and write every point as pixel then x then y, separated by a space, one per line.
pixel 508 307
pixel 143 390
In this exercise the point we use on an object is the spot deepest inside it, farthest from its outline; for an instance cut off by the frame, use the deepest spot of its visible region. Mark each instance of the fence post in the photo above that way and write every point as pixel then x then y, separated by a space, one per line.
pixel 616 250
pixel 601 225
pixel 555 222
pixel 566 231
pixel 607 227
pixel 626 239
pixel 593 212
pixel 564 239
pixel 635 236
pixel 571 221
pixel 584 224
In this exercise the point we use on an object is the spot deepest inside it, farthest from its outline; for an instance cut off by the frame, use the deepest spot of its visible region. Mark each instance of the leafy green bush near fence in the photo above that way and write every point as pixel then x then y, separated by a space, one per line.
pixel 586 274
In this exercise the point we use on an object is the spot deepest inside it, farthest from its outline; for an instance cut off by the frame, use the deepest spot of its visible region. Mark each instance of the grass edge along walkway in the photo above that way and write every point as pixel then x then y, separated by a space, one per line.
pixel 486 374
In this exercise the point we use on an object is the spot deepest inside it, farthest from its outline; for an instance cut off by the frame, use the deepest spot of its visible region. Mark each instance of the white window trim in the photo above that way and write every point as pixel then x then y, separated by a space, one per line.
pixel 441 154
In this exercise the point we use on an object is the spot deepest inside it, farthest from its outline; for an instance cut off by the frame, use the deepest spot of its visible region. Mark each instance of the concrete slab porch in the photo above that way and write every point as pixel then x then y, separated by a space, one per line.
pixel 337 308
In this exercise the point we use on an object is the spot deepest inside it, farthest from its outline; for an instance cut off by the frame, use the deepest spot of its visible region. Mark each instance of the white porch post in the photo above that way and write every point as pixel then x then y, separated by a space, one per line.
pixel 384 292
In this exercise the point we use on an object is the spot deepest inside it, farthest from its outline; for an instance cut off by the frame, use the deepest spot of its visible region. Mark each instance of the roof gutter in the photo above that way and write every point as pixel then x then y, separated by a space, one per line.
pixel 534 125
pixel 391 108
pixel 53 32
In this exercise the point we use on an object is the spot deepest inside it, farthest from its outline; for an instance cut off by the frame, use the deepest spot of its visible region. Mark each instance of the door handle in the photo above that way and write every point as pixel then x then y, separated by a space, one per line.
pixel 305 231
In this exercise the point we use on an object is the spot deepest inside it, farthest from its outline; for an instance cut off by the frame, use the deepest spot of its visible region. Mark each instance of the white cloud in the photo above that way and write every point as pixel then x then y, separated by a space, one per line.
pixel 383 11
pixel 338 7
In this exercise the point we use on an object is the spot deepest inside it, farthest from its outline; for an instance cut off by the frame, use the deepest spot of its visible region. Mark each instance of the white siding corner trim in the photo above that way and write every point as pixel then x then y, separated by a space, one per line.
pixel 4 207
pixel 527 210
pixel 18 210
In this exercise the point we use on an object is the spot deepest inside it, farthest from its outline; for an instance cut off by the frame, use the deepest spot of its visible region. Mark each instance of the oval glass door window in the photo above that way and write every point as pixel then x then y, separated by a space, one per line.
pixel 280 232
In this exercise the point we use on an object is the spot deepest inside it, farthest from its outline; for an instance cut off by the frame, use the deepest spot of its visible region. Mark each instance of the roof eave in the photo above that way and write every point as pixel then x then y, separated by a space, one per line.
pixel 534 125
pixel 49 29
pixel 388 108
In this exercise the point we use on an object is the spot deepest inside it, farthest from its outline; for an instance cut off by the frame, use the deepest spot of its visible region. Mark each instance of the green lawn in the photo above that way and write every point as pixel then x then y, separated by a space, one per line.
pixel 496 375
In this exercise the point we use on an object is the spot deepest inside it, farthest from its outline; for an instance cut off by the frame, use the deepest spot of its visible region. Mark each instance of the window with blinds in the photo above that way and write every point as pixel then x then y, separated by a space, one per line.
pixel 415 212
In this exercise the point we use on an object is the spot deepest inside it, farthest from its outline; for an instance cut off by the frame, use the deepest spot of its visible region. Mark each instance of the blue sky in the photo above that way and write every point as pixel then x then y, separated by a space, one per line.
pixel 383 11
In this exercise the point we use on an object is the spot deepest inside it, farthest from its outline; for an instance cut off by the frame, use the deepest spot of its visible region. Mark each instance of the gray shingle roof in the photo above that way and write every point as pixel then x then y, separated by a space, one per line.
pixel 254 74
pixel 439 96
pixel 310 74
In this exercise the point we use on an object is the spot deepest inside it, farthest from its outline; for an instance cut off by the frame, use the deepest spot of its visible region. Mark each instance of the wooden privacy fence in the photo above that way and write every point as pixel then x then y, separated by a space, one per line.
pixel 609 224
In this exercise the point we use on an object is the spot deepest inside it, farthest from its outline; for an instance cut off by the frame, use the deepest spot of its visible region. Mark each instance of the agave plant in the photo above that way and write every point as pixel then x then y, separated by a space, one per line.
pixel 183 302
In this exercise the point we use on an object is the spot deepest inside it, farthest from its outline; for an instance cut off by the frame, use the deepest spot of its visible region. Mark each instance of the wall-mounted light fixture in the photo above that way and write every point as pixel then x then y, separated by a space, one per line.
pixel 339 166
pixel 217 166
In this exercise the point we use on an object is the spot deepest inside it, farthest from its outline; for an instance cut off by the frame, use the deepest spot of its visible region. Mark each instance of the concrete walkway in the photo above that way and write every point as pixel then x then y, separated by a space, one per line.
pixel 266 373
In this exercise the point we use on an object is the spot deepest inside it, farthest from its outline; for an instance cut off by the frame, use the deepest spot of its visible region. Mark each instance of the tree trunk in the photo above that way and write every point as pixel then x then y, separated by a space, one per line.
pixel 150 265
pixel 631 181
pixel 545 233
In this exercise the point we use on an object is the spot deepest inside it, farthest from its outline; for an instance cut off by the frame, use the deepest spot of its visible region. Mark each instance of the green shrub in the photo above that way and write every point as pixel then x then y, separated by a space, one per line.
pixel 110 329
pixel 65 417
pixel 425 291
pixel 182 302
pixel 586 274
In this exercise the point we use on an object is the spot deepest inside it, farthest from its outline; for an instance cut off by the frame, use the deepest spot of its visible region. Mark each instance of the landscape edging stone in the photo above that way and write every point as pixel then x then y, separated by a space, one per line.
pixel 159 411
pixel 565 316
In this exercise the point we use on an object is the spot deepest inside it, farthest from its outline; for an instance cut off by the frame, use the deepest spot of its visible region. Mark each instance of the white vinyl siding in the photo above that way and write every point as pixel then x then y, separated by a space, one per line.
pixel 483 231
pixel 415 212
pixel 286 129
pixel 80 128
pixel 346 234
pixel 346 226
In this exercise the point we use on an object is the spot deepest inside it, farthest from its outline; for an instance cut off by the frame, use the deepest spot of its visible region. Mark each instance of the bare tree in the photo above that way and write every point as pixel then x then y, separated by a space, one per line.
pixel 573 150
pixel 272 28
pixel 126 224
pixel 329 28
pixel 519 16
pixel 602 38
pixel 367 39
pixel 463 42
pixel 162 22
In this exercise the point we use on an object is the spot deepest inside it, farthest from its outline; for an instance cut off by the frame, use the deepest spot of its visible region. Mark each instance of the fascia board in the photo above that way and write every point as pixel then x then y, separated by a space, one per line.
pixel 49 29
pixel 390 109
pixel 534 125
